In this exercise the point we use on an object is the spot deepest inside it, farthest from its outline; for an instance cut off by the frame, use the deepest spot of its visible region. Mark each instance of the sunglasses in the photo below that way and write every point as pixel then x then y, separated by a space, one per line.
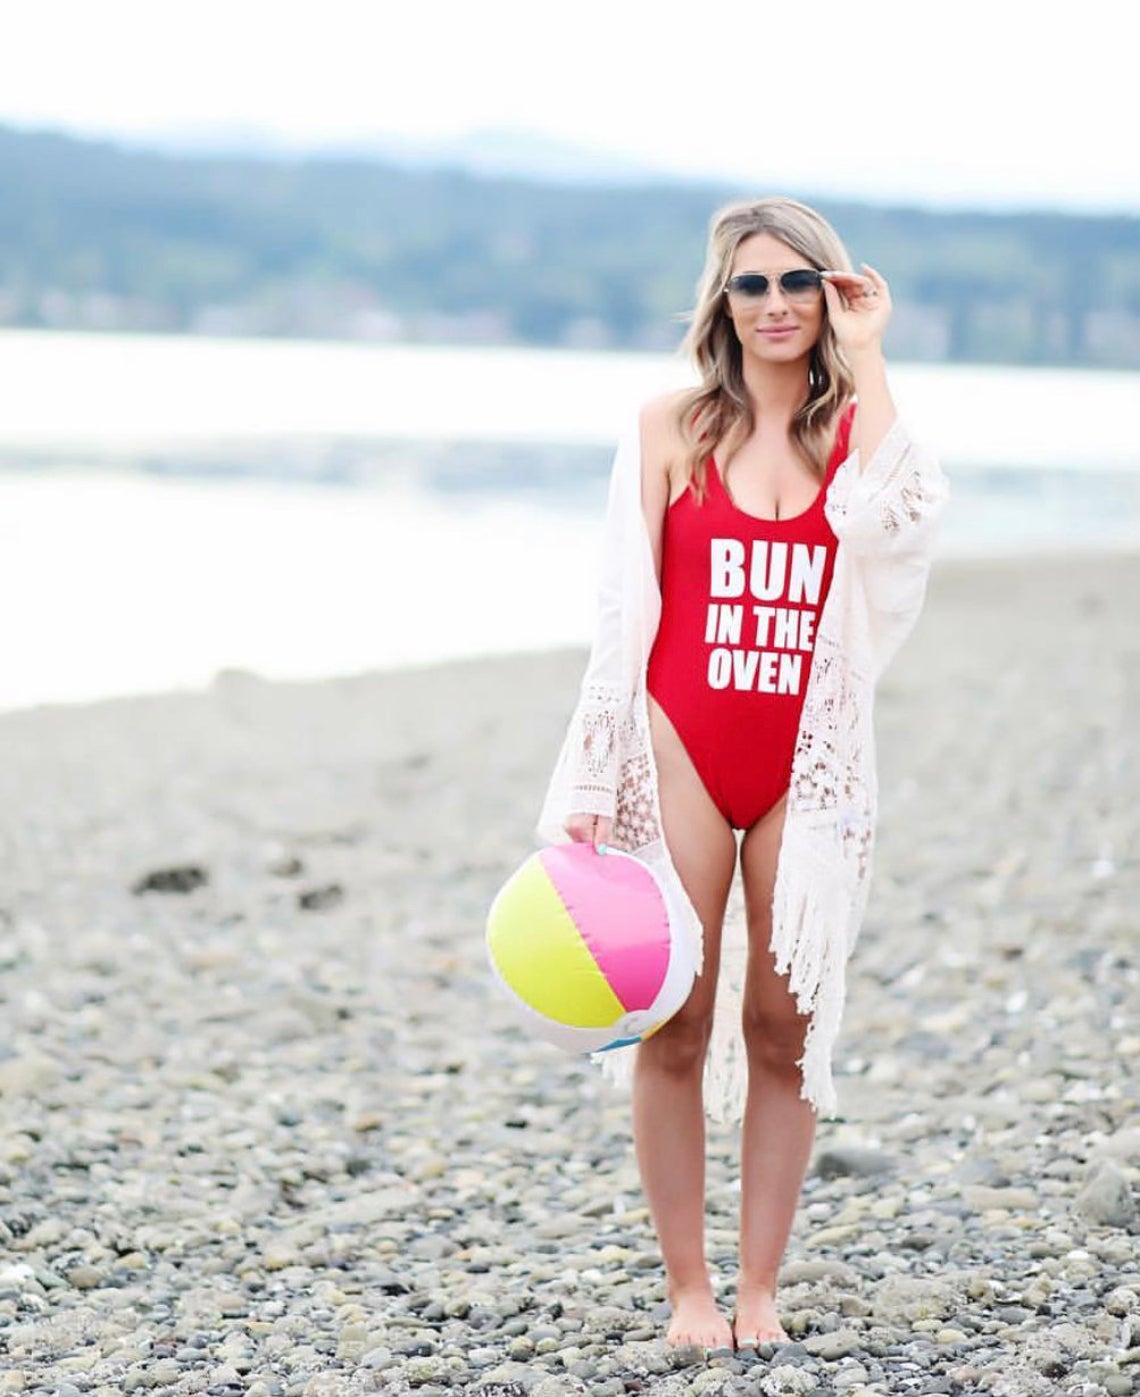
pixel 798 285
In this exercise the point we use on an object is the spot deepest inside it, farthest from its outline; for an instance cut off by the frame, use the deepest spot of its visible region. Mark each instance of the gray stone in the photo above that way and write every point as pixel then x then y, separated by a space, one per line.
pixel 836 1163
pixel 1106 1198
pixel 835 1345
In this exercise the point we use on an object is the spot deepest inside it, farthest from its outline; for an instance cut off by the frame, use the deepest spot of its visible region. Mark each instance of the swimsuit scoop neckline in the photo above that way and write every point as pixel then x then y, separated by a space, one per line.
pixel 763 518
pixel 710 461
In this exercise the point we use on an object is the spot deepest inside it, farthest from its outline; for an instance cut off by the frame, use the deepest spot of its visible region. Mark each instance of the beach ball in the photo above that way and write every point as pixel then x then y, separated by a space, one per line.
pixel 584 947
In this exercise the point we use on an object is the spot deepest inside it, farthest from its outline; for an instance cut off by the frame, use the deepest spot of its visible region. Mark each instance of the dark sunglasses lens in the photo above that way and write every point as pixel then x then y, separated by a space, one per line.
pixel 749 284
pixel 802 282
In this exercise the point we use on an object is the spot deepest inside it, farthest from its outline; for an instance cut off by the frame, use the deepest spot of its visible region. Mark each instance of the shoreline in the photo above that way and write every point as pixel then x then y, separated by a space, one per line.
pixel 951 570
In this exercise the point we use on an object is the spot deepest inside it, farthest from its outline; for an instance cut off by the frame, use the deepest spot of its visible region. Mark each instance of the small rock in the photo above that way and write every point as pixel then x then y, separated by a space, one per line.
pixel 288 867
pixel 835 1345
pixel 836 1163
pixel 321 899
pixel 786 1380
pixel 426 1369
pixel 180 878
pixel 687 1355
pixel 1106 1198
pixel 508 1378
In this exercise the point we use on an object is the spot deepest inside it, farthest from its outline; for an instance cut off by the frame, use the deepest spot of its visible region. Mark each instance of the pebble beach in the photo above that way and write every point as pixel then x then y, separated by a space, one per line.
pixel 268 1127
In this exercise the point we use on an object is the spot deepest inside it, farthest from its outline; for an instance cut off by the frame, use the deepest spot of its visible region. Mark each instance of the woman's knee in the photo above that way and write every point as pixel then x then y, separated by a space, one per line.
pixel 774 1041
pixel 680 1047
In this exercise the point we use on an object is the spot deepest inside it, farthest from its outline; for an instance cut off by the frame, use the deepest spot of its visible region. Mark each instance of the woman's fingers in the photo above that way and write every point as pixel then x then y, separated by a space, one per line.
pixel 831 295
pixel 859 305
pixel 851 286
pixel 585 829
pixel 882 290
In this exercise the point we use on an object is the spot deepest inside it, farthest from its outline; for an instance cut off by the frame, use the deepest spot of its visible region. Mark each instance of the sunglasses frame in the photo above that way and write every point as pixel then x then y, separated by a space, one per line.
pixel 792 271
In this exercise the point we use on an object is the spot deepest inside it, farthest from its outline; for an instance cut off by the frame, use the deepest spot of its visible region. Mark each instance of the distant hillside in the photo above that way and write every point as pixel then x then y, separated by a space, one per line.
pixel 99 235
pixel 492 151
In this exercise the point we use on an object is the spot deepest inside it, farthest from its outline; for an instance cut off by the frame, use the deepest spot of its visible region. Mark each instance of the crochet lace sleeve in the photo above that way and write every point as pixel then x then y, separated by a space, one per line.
pixel 887 516
pixel 593 750
pixel 586 773
pixel 893 505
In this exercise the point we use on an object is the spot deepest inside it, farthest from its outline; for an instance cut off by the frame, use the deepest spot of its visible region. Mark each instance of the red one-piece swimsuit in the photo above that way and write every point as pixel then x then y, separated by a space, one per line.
pixel 741 598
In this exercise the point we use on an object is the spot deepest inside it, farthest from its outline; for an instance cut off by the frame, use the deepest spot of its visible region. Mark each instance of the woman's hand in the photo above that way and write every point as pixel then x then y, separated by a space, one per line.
pixel 585 828
pixel 858 307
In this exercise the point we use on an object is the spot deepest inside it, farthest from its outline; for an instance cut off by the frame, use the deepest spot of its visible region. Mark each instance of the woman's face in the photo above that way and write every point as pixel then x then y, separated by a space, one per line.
pixel 774 327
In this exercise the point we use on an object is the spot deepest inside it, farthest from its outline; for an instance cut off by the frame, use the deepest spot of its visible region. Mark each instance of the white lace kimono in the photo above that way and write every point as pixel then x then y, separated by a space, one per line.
pixel 885 520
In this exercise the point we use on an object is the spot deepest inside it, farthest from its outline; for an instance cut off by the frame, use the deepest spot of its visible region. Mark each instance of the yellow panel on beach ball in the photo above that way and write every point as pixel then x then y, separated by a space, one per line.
pixel 541 955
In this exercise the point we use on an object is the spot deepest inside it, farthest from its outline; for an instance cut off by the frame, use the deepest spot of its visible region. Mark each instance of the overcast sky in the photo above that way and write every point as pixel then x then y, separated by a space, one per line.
pixel 972 104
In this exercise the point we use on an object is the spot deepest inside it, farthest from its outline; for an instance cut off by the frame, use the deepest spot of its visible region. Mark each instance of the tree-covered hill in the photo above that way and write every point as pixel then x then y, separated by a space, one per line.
pixel 98 236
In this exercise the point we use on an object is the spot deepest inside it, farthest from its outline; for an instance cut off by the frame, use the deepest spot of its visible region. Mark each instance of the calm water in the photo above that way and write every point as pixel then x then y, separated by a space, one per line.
pixel 172 506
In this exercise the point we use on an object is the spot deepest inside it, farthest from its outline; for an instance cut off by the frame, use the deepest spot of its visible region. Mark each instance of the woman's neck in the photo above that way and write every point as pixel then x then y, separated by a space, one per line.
pixel 776 390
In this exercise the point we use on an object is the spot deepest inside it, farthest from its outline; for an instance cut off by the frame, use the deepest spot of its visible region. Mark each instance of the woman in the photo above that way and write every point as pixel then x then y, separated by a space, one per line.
pixel 768 540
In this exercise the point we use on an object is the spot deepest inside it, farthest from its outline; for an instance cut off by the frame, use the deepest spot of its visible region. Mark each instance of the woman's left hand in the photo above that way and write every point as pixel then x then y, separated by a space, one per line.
pixel 857 306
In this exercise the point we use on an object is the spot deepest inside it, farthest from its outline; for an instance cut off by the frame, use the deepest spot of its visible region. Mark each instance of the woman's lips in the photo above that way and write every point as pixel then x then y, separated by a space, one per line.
pixel 779 332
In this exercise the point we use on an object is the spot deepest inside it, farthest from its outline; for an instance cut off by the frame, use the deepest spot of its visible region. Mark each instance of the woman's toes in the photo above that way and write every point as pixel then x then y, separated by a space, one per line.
pixel 757 1321
pixel 696 1320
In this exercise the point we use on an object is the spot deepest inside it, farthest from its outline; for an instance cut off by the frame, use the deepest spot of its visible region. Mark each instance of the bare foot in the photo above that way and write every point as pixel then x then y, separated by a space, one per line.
pixel 756 1320
pixel 696 1320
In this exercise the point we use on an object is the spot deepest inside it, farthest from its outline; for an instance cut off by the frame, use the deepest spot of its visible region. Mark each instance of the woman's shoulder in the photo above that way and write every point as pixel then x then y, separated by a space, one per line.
pixel 662 446
pixel 660 415
pixel 660 421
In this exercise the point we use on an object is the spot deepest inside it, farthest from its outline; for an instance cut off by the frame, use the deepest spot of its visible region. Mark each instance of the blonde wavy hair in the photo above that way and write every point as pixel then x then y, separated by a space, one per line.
pixel 719 408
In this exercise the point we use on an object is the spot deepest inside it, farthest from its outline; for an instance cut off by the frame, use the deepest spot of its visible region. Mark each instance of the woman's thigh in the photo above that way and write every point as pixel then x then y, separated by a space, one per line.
pixel 701 844
pixel 771 1019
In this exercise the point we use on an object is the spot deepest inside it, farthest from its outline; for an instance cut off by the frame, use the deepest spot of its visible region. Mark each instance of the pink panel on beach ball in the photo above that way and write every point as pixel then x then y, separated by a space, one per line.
pixel 617 906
